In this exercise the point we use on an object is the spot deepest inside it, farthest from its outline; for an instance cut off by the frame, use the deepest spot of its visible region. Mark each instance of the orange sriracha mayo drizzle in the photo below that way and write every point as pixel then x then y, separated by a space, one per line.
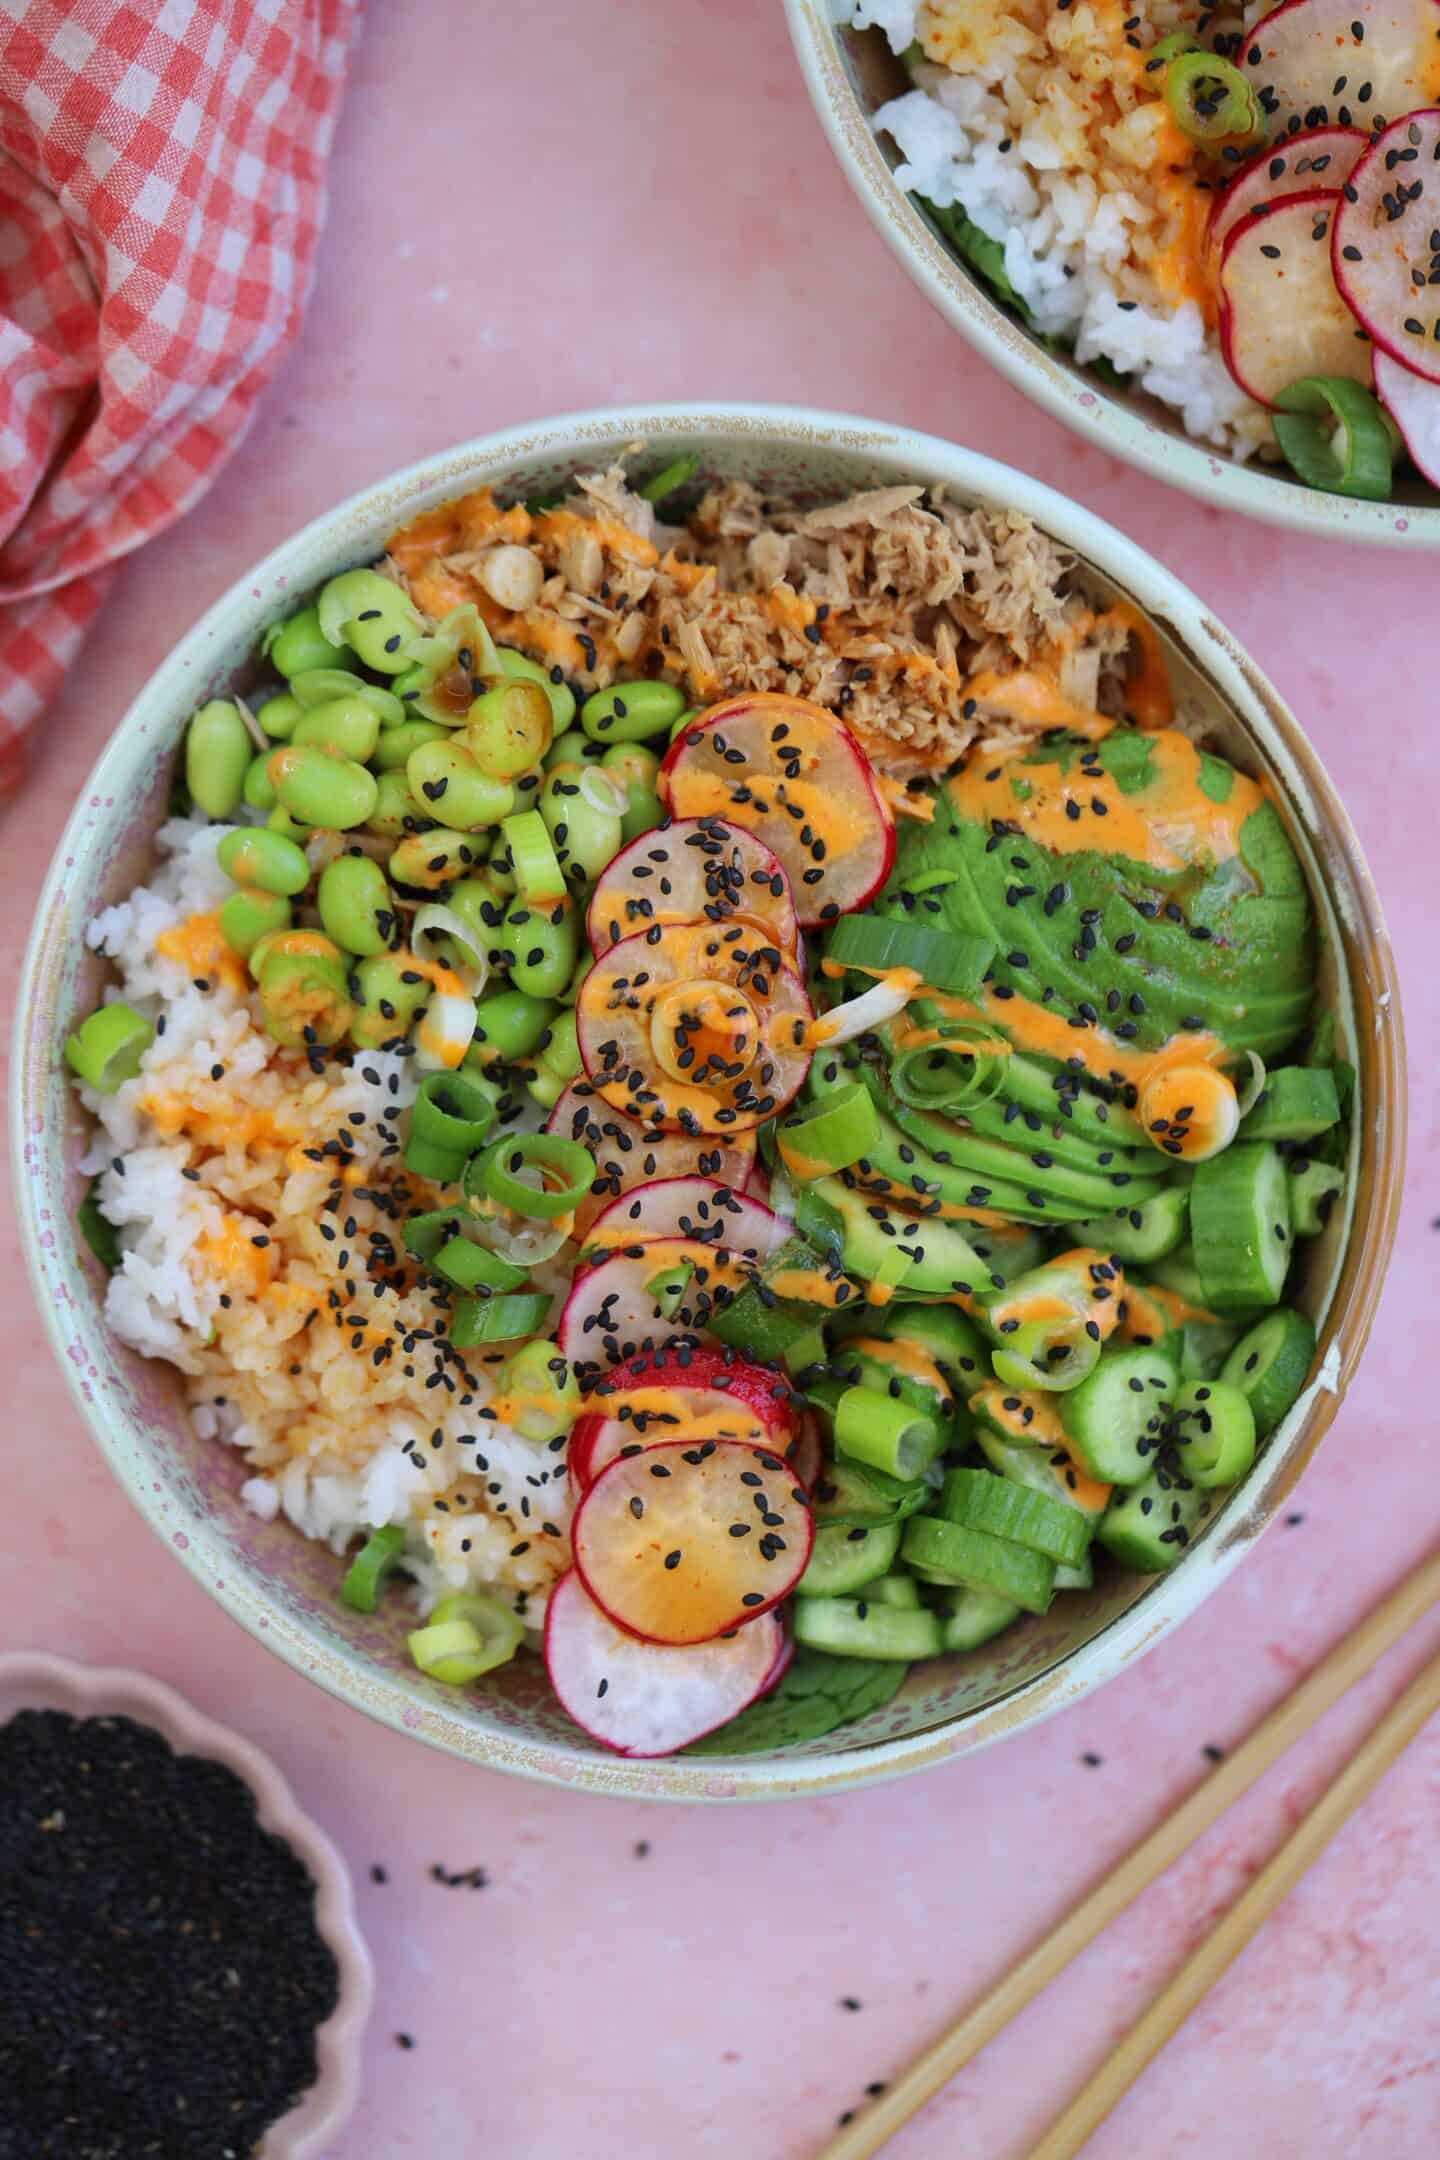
pixel 231 1253
pixel 1040 1304
pixel 664 1413
pixel 1152 1311
pixel 430 1035
pixel 198 943
pixel 905 1358
pixel 1034 1422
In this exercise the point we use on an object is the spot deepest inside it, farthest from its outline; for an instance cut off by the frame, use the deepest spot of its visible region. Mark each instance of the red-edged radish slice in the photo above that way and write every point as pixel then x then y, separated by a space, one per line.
pixel 1383 253
pixel 1322 157
pixel 610 1315
pixel 1307 64
pixel 1281 314
pixel 693 1028
pixel 691 1207
pixel 640 1698
pixel 798 778
pixel 679 1543
pixel 1414 405
pixel 686 871
pixel 596 1440
pixel 627 1154
pixel 688 1394
pixel 763 1389
pixel 807 1457
pixel 784 1657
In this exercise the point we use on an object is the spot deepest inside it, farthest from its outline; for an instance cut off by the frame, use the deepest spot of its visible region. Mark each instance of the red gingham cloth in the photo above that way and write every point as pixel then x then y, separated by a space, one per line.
pixel 162 187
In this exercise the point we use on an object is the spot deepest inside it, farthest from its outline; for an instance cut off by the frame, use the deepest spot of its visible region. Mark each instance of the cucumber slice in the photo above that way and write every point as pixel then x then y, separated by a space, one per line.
pixel 901 1590
pixel 1215 1433
pixel 1149 1527
pixel 979 1500
pixel 1139 1234
pixel 1116 1419
pixel 980 1561
pixel 851 1627
pixel 1240 1225
pixel 845 1559
pixel 943 1332
pixel 1205 1345
pixel 1314 1189
pixel 1076 1578
pixel 1270 1365
pixel 859 1497
pixel 1299 1102
pixel 969 1618
pixel 1046 1470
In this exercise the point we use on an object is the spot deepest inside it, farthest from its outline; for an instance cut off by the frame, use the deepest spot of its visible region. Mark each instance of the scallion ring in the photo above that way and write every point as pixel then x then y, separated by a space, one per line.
pixel 667 1289
pixel 1210 100
pixel 433 921
pixel 1334 434
pixel 452 1110
pixel 464 1638
pixel 834 1134
pixel 367 1571
pixel 106 1048
pixel 475 1321
pixel 538 874
pixel 563 1167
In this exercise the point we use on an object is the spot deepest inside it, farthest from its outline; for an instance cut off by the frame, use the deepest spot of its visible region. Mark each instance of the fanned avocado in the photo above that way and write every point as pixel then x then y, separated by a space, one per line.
pixel 1206 925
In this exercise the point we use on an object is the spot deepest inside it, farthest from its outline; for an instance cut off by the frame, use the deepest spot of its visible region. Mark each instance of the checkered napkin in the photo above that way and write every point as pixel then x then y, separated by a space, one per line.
pixel 162 187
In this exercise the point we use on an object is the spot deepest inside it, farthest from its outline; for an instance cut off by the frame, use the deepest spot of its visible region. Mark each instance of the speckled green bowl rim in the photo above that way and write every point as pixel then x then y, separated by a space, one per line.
pixel 1118 424
pixel 765 431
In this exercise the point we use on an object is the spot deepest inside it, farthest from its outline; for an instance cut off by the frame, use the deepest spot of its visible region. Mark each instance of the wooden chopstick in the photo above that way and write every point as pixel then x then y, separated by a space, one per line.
pixel 1075 2122
pixel 1350 1659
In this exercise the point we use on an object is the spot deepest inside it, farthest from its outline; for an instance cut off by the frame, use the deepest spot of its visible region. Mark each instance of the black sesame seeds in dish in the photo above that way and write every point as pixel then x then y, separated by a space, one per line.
pixel 690 1105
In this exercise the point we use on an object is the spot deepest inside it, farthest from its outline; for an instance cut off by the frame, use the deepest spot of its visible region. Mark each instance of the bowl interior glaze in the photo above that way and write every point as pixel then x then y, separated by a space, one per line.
pixel 849 75
pixel 282 1588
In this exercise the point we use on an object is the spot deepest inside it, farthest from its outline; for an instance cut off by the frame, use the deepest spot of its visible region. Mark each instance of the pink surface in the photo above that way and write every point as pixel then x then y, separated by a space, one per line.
pixel 636 1980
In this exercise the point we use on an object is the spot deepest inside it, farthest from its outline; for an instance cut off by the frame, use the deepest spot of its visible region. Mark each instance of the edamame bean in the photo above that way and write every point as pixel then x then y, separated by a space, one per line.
pixel 427 860
pixel 480 905
pixel 545 1087
pixel 346 724
pixel 636 769
pixel 374 616
pixel 390 991
pixel 396 744
pixel 561 1053
pixel 299 643
pixel 396 810
pixel 541 946
pixel 356 905
pixel 248 915
pixel 290 828
pixel 572 989
pixel 446 776
pixel 218 751
pixel 585 838
pixel 508 1025
pixel 304 996
pixel 278 715
pixel 509 729
pixel 322 787
pixel 572 748
pixel 253 856
pixel 561 696
pixel 632 711
pixel 259 789
pixel 317 686
pixel 691 712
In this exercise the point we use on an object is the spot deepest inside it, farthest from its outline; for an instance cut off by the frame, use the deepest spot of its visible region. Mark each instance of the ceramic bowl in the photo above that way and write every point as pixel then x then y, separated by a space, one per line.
pixel 849 74
pixel 283 1589
pixel 29 1680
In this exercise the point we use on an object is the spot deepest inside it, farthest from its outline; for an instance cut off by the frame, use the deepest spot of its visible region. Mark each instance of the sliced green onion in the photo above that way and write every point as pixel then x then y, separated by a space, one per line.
pixel 474 1267
pixel 106 1049
pixel 438 1165
pixel 465 1638
pixel 1217 1433
pixel 97 1229
pixel 532 854
pixel 1333 432
pixel 434 920
pixel 1048 1354
pixel 543 1393
pixel 668 1288
pixel 934 1078
pixel 564 1162
pixel 945 960
pixel 478 1320
pixel 891 1436
pixel 452 1110
pixel 423 1235
pixel 1170 48
pixel 368 1570
pixel 1209 99
pixel 845 1126
pixel 670 477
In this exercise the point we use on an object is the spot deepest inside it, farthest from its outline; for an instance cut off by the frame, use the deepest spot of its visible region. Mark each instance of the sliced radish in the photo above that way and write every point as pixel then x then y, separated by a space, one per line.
pixel 764 1390
pixel 691 1207
pixel 679 1543
pixel 692 869
pixel 694 1028
pixel 1414 405
pixel 784 1656
pixel 610 1315
pixel 627 1154
pixel 596 1440
pixel 1385 246
pixel 1281 315
pixel 1350 62
pixel 1317 157
pixel 798 778
pixel 641 1698
pixel 807 1457
pixel 687 1394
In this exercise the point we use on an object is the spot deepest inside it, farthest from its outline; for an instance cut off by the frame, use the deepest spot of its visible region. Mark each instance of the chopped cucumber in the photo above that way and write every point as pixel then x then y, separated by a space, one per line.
pixel 1240 1225
pixel 1215 1433
pixel 845 1559
pixel 853 1494
pixel 1076 1578
pixel 1149 1527
pixel 1139 1234
pixel 1314 1189
pixel 945 1552
pixel 1045 1470
pixel 852 1627
pixel 1270 1366
pixel 979 1500
pixel 1116 1419
pixel 969 1618
pixel 901 1590
pixel 943 1332
pixel 1298 1102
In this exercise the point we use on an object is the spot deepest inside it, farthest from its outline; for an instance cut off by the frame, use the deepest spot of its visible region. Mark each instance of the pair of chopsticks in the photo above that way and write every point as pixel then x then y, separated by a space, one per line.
pixel 1351 1658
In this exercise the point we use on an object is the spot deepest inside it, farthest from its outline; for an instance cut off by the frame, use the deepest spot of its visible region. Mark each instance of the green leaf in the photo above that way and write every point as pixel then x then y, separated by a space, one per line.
pixel 986 257
pixel 97 1230
pixel 1114 378
pixel 817 1694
